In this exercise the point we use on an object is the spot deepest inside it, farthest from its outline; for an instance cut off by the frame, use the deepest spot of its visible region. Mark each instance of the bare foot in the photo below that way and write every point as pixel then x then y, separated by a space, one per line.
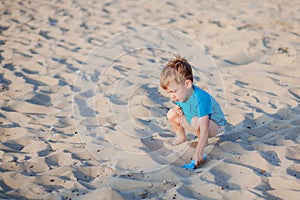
pixel 178 141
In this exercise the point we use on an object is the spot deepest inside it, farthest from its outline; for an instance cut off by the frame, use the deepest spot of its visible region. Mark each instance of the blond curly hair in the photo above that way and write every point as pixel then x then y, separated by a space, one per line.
pixel 177 69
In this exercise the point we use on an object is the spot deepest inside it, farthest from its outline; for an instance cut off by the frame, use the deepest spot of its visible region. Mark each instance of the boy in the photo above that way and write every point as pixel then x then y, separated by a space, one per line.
pixel 196 111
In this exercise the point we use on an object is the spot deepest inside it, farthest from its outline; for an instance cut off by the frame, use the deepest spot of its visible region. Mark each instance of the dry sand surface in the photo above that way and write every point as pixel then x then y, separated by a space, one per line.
pixel 82 115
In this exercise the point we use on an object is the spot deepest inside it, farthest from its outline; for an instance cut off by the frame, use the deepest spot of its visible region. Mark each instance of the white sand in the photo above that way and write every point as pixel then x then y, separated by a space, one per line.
pixel 83 121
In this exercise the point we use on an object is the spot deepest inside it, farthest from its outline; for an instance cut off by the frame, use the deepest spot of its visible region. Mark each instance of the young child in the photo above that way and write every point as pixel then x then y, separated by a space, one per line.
pixel 196 111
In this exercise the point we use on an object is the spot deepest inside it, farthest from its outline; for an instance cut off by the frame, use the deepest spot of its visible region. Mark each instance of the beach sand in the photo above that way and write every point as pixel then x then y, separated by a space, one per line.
pixel 82 115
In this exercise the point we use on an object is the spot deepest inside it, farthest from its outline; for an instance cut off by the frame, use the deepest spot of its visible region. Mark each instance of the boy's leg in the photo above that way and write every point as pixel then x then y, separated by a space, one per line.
pixel 212 130
pixel 175 121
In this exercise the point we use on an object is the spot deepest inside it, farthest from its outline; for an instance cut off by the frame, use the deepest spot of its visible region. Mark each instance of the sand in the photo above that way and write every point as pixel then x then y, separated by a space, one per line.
pixel 82 115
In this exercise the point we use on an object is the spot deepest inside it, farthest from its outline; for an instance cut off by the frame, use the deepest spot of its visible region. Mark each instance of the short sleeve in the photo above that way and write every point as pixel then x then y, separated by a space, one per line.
pixel 205 104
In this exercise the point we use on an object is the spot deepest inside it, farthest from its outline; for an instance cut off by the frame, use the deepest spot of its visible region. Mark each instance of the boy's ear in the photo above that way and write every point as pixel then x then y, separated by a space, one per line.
pixel 188 83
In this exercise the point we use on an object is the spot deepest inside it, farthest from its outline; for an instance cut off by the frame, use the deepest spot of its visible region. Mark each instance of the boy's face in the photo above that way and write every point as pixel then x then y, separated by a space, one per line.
pixel 179 91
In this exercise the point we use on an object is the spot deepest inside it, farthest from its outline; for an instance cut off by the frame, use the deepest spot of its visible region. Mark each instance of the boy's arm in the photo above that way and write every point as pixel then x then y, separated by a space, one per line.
pixel 202 137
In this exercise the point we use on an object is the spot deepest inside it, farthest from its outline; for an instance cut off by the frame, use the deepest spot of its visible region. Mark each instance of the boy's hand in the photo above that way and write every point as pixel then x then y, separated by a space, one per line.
pixel 196 158
pixel 199 160
pixel 178 110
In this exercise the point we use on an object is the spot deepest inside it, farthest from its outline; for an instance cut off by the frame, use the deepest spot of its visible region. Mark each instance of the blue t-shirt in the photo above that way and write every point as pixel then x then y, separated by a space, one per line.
pixel 201 104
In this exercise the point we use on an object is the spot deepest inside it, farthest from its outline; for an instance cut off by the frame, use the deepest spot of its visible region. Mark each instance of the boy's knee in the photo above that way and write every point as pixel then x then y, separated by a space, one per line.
pixel 172 114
